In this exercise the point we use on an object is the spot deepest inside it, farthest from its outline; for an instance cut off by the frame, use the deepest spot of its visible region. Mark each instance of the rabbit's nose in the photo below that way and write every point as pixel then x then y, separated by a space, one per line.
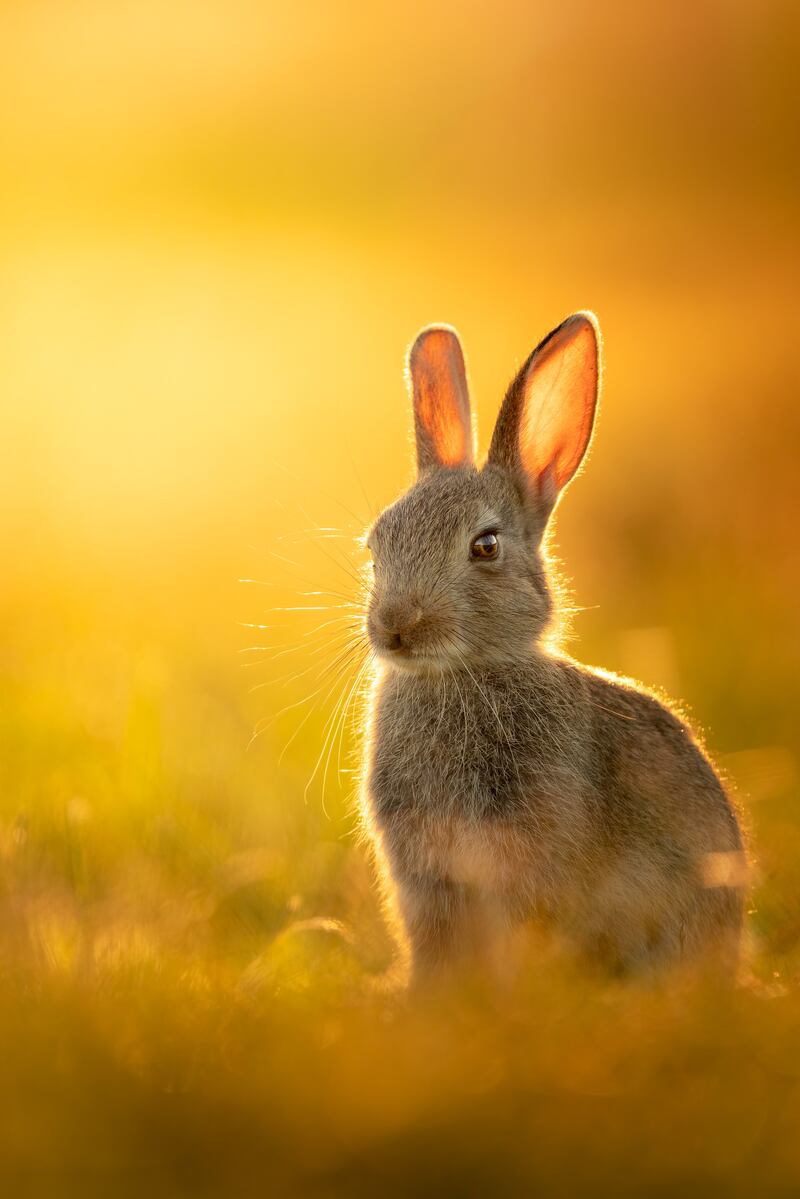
pixel 395 625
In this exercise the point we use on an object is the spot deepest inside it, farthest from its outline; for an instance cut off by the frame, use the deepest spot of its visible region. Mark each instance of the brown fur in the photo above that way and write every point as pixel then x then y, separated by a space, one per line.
pixel 505 782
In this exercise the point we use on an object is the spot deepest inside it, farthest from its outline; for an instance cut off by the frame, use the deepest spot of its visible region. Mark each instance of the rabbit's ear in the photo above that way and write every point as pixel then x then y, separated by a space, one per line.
pixel 438 385
pixel 545 422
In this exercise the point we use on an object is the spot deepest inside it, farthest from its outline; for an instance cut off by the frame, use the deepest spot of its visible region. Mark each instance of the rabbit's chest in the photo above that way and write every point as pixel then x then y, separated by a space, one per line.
pixel 435 753
pixel 449 753
pixel 468 787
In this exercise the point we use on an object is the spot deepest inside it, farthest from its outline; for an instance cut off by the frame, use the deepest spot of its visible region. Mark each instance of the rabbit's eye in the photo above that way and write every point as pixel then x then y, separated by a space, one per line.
pixel 485 546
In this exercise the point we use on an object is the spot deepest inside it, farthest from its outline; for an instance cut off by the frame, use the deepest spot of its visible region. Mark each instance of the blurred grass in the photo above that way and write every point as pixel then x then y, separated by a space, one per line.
pixel 221 224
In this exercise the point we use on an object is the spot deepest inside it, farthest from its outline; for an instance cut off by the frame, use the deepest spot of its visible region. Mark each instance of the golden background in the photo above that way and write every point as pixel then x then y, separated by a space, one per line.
pixel 221 223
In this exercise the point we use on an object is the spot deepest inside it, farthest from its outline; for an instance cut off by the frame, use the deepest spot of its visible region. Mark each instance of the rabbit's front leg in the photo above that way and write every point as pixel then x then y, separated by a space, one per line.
pixel 442 924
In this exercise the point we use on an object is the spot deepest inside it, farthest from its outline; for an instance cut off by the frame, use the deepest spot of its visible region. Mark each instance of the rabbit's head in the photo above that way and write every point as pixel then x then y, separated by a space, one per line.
pixel 459 576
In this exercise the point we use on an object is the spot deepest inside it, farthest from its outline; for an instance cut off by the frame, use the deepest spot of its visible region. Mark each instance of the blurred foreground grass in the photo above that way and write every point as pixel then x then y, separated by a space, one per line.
pixel 190 964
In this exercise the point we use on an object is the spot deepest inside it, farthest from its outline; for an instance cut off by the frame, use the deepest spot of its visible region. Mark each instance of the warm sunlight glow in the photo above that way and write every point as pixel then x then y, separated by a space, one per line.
pixel 222 223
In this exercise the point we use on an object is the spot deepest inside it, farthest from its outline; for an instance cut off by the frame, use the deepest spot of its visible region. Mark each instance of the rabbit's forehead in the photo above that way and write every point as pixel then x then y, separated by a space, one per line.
pixel 438 510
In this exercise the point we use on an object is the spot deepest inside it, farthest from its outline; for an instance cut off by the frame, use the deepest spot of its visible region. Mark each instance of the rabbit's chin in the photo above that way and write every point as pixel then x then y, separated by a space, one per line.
pixel 416 662
pixel 422 659
pixel 443 660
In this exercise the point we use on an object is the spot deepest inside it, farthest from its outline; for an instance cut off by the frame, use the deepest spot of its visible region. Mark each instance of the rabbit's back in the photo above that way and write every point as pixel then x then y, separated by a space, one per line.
pixel 653 778
pixel 671 875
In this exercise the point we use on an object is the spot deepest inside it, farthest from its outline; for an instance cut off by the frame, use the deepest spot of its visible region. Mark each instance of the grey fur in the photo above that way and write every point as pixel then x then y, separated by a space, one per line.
pixel 504 782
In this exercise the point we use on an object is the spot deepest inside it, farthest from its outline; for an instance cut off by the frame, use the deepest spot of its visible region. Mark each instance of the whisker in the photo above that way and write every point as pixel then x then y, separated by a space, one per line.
pixel 359 480
pixel 308 608
pixel 262 726
pixel 335 727
pixel 365 668
pixel 292 676
pixel 310 712
pixel 353 619
pixel 281 584
pixel 342 648
pixel 325 495
pixel 327 730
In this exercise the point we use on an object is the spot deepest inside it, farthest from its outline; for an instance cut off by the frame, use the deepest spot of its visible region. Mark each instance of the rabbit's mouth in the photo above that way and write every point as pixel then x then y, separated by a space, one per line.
pixel 403 655
pixel 418 658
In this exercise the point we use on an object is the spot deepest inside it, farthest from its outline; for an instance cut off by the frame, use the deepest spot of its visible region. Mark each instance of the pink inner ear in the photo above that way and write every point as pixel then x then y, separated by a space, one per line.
pixel 440 395
pixel 560 399
pixel 445 429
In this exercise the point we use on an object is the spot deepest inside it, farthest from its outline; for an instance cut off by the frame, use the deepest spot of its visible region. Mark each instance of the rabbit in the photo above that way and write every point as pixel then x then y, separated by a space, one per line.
pixel 505 784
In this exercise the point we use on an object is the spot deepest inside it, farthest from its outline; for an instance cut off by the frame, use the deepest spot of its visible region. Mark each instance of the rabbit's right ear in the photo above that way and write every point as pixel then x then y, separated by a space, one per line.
pixel 546 420
pixel 438 385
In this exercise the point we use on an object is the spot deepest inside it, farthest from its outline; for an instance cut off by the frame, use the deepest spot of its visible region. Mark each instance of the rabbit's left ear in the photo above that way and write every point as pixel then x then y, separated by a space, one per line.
pixel 438 385
pixel 545 422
